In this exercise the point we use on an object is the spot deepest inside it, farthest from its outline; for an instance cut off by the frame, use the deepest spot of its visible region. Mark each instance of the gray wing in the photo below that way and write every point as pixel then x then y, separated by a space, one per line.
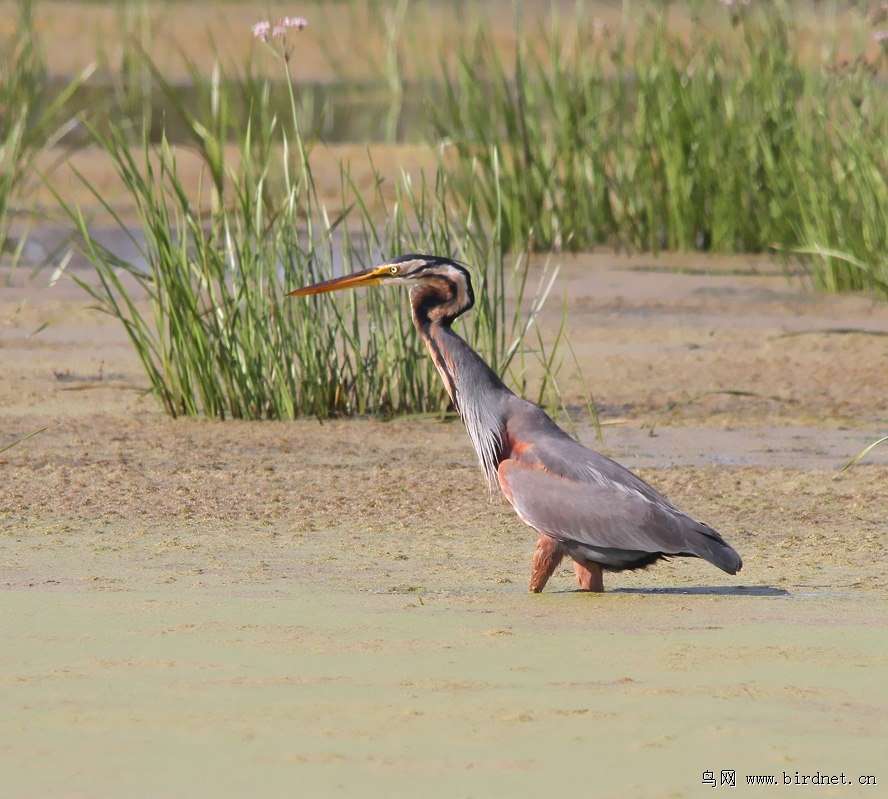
pixel 579 496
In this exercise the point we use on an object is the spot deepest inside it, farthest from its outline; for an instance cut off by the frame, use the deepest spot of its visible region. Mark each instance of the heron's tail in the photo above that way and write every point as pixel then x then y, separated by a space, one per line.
pixel 710 546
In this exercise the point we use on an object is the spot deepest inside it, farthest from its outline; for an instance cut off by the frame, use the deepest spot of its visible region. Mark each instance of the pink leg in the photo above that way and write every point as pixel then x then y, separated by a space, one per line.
pixel 546 557
pixel 589 576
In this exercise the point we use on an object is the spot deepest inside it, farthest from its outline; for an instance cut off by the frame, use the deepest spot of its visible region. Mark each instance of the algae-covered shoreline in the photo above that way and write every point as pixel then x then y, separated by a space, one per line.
pixel 200 608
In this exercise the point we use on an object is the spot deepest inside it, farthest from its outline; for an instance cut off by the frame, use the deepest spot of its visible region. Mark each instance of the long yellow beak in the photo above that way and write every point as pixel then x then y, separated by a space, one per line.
pixel 367 277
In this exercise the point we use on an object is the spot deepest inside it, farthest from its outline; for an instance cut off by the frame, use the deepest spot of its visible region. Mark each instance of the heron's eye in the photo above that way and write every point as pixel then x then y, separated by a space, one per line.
pixel 394 270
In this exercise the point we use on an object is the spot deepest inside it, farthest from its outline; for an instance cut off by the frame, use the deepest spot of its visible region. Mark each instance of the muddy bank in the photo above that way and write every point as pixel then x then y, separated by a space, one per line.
pixel 105 502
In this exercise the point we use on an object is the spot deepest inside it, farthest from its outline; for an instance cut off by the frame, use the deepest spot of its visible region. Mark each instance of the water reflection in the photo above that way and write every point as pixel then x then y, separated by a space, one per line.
pixel 50 246
pixel 337 113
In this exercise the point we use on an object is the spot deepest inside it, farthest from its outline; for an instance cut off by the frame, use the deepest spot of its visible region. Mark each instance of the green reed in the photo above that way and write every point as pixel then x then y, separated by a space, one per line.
pixel 862 454
pixel 24 438
pixel 724 141
pixel 121 64
pixel 205 308
pixel 30 120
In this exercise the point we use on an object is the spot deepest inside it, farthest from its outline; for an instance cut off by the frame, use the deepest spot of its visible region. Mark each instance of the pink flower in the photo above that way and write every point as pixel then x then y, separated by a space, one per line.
pixel 261 29
pixel 881 36
pixel 265 30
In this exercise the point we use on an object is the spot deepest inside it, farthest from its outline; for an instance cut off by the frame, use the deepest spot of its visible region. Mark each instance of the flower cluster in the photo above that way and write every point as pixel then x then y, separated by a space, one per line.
pixel 278 31
pixel 265 30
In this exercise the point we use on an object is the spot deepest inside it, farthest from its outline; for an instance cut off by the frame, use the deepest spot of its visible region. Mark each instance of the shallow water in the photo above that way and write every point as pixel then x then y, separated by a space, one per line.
pixel 335 111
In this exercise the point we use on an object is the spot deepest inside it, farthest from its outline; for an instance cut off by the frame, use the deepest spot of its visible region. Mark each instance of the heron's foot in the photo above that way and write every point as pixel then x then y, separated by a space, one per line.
pixel 589 576
pixel 547 555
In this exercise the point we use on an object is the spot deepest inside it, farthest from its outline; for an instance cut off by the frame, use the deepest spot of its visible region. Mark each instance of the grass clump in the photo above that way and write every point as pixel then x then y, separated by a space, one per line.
pixel 642 138
pixel 32 119
pixel 204 304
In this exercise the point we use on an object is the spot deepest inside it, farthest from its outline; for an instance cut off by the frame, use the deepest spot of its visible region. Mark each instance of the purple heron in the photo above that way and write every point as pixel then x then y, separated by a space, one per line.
pixel 582 504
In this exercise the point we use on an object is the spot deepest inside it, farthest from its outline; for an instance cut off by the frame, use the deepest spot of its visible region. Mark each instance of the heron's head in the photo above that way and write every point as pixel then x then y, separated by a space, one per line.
pixel 440 288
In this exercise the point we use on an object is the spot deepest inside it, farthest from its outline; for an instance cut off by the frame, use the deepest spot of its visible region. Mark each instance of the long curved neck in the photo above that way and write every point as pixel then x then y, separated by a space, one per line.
pixel 466 375
pixel 475 389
